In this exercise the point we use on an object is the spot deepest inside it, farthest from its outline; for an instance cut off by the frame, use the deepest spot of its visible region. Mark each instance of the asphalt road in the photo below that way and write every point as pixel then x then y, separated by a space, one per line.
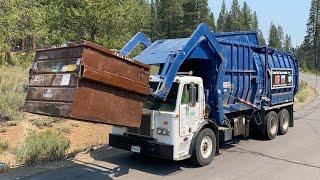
pixel 293 156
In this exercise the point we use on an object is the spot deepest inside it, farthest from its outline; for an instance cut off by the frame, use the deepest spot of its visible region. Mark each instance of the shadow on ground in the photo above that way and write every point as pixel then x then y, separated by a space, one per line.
pixel 108 163
pixel 104 163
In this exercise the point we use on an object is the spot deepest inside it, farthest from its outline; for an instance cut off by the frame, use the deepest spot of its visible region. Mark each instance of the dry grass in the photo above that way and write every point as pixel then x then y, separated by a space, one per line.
pixel 65 129
pixel 3 145
pixel 43 147
pixel 43 122
pixel 302 94
pixel 81 136
pixel 13 86
pixel 305 95
pixel 3 130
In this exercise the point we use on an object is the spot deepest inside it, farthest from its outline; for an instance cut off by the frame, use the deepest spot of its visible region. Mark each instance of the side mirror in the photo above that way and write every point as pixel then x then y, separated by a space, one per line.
pixel 193 95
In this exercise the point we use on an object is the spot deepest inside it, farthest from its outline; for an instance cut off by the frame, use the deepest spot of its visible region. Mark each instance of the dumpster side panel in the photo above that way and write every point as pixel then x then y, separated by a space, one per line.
pixel 52 81
pixel 114 71
pixel 56 109
pixel 45 80
pixel 106 104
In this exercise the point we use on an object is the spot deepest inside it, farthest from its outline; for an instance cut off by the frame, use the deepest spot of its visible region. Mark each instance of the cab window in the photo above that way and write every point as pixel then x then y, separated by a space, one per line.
pixel 186 94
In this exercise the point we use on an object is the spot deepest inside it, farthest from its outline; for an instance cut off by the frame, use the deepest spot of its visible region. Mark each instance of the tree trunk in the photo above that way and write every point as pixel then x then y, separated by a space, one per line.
pixel 92 35
pixel 23 44
pixel 34 44
pixel 8 58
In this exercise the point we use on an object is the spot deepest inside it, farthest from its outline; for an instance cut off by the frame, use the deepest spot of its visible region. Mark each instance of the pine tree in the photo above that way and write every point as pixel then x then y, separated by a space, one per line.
pixel 255 27
pixel 235 15
pixel 153 24
pixel 262 40
pixel 287 43
pixel 274 39
pixel 281 36
pixel 255 23
pixel 308 52
pixel 246 17
pixel 212 22
pixel 312 40
pixel 228 26
pixel 205 13
pixel 194 13
pixel 221 22
pixel 313 22
pixel 170 18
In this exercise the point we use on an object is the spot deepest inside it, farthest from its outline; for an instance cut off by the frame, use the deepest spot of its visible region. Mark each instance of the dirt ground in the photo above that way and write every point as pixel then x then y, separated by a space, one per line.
pixel 82 135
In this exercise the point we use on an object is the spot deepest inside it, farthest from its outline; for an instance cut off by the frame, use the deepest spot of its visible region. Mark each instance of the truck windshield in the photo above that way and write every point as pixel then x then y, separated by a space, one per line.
pixel 169 105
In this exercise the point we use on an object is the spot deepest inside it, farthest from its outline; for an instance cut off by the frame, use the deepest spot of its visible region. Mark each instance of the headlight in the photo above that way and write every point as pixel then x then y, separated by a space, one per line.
pixel 163 131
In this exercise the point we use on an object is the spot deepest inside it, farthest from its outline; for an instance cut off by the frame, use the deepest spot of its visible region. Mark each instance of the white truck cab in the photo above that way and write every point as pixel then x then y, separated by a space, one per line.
pixel 174 123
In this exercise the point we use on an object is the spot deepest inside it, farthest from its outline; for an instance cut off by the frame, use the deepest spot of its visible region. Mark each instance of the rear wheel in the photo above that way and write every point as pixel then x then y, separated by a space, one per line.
pixel 284 118
pixel 204 148
pixel 270 125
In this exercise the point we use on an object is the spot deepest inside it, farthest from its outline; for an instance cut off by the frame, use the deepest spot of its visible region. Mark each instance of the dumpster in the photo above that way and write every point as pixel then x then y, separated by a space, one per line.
pixel 88 82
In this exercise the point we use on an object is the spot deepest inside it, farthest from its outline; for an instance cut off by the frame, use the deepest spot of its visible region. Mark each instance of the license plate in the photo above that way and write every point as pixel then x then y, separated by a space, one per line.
pixel 135 149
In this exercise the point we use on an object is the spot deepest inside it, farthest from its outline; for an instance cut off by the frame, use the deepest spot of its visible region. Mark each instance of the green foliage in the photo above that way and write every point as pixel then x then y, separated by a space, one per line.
pixel 280 36
pixel 274 37
pixel 278 40
pixel 65 129
pixel 194 13
pixel 153 21
pixel 27 24
pixel 3 146
pixel 3 129
pixel 221 22
pixel 109 23
pixel 13 85
pixel 287 43
pixel 239 19
pixel 169 14
pixel 42 147
pixel 309 52
pixel 21 23
pixel 246 17
pixel 46 122
pixel 235 16
pixel 302 94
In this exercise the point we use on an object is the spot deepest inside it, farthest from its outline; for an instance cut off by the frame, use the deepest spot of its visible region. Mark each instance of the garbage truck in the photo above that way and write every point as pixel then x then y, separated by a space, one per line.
pixel 207 89
pixel 178 98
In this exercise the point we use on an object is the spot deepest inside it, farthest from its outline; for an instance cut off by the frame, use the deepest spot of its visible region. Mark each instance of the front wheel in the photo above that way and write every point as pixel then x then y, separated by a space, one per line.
pixel 204 148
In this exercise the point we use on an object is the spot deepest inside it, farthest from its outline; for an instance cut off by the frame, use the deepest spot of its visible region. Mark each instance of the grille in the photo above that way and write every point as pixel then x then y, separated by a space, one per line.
pixel 145 127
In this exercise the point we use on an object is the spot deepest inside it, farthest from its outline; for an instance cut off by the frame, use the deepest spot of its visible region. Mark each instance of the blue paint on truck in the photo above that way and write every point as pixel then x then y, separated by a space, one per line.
pixel 235 69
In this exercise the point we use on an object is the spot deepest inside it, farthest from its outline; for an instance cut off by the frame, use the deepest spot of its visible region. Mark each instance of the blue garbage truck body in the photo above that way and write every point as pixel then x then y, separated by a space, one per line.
pixel 243 84
pixel 235 67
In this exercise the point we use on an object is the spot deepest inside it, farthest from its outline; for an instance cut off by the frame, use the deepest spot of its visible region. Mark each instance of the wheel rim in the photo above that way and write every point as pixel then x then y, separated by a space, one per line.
pixel 285 122
pixel 273 125
pixel 206 147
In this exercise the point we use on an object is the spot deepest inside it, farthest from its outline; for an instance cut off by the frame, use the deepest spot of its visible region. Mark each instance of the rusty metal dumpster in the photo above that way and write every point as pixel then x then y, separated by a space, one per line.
pixel 87 82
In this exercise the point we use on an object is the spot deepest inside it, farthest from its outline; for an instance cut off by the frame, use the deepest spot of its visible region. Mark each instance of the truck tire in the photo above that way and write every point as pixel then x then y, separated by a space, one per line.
pixel 284 119
pixel 204 148
pixel 270 125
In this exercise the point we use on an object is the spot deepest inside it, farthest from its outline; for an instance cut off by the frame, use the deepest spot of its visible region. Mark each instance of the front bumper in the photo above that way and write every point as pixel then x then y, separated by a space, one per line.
pixel 147 146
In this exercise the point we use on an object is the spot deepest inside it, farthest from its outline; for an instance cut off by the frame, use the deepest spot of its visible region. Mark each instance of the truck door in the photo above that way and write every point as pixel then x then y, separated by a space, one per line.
pixel 189 109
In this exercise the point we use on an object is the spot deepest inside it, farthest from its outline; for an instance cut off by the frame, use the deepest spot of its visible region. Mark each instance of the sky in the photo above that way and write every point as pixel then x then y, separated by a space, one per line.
pixel 292 15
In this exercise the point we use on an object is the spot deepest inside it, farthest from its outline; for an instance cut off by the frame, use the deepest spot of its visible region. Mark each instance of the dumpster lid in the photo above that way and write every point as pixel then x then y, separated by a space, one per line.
pixel 96 47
